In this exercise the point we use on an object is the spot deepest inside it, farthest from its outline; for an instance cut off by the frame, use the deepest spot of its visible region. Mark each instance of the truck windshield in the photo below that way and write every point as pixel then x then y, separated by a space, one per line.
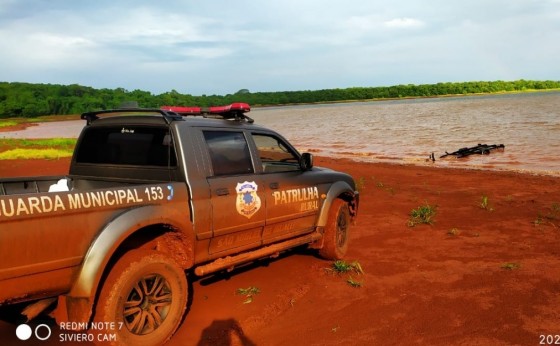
pixel 132 145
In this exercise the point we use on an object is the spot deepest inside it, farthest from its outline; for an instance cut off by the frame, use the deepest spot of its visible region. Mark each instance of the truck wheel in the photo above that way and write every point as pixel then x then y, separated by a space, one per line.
pixel 336 236
pixel 145 294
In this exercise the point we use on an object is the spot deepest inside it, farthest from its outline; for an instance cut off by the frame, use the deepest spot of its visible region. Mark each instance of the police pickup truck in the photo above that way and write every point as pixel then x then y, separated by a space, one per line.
pixel 150 194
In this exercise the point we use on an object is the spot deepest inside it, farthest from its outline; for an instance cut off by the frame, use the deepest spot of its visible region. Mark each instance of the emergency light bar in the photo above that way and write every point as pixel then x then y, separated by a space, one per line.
pixel 234 111
pixel 238 108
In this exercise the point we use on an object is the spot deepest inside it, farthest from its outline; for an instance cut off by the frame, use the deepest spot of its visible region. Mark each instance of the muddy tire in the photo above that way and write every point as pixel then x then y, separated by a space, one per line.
pixel 145 294
pixel 336 236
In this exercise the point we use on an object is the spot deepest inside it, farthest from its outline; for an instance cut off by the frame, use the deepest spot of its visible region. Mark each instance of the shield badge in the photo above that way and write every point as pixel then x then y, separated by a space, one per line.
pixel 247 202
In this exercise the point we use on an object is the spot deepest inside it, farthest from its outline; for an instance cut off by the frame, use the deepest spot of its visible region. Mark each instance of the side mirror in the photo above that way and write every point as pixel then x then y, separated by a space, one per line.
pixel 306 161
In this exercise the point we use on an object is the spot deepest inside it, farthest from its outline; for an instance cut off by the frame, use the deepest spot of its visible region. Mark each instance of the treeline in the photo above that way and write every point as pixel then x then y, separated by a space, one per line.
pixel 32 100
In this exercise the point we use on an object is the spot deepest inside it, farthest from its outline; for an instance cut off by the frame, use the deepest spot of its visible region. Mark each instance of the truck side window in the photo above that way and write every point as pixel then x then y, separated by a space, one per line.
pixel 229 152
pixel 276 156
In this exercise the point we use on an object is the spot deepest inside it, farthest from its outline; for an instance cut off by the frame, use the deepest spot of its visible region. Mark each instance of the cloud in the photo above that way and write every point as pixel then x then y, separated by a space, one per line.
pixel 275 45
pixel 403 23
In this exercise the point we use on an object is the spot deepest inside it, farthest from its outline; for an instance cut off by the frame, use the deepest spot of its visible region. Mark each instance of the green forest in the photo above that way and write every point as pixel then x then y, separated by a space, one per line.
pixel 33 100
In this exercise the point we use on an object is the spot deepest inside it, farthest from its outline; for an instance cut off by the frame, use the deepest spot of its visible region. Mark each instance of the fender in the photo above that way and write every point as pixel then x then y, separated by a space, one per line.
pixel 336 189
pixel 77 305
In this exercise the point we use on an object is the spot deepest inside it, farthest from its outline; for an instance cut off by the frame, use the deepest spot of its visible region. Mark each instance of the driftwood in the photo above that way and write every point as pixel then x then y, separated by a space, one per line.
pixel 481 149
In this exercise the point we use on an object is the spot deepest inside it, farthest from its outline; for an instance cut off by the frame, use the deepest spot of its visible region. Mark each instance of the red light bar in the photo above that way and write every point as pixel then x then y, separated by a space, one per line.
pixel 232 108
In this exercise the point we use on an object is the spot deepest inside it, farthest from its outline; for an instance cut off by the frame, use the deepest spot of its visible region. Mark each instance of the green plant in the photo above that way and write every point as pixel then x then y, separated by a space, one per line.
pixel 511 266
pixel 385 187
pixel 248 292
pixel 424 214
pixel 539 220
pixel 551 216
pixel 485 203
pixel 342 266
pixel 353 282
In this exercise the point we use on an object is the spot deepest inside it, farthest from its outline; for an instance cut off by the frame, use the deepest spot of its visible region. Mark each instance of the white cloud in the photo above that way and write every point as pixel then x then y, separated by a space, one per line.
pixel 404 23
pixel 207 53
pixel 275 45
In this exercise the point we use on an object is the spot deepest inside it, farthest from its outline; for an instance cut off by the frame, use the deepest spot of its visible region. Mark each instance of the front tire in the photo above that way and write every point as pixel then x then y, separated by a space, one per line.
pixel 336 236
pixel 145 294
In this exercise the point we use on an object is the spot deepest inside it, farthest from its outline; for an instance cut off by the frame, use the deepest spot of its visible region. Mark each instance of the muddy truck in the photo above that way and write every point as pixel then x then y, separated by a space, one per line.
pixel 152 197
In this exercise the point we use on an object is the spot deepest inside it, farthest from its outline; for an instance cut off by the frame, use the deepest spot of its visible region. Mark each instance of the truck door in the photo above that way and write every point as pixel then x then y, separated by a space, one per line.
pixel 292 199
pixel 236 193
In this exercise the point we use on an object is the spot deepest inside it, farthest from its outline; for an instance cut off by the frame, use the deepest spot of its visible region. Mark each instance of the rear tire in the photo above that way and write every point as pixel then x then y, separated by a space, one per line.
pixel 336 236
pixel 145 294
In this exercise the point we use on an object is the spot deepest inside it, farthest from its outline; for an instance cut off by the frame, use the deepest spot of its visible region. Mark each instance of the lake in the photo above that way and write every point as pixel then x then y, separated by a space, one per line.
pixel 408 131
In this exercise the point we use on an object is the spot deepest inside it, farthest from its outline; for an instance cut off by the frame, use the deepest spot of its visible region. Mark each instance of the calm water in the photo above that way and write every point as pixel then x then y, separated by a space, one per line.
pixel 408 131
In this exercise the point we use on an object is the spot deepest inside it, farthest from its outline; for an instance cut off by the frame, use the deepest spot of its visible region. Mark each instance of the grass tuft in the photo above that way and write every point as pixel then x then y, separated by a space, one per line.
pixel 248 292
pixel 485 203
pixel 551 217
pixel 354 283
pixel 342 267
pixel 424 214
pixel 510 266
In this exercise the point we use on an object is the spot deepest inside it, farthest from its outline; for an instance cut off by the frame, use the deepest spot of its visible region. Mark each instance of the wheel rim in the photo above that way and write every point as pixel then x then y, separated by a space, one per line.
pixel 341 229
pixel 147 305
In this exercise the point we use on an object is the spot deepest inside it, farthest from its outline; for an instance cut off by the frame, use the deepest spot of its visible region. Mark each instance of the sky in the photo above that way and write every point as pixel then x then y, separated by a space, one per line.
pixel 218 47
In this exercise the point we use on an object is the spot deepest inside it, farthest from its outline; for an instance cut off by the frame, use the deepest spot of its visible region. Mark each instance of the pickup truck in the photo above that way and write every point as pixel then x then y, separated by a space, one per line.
pixel 150 195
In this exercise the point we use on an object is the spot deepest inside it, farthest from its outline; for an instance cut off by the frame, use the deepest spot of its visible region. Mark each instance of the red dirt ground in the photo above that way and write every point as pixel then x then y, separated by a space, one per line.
pixel 422 285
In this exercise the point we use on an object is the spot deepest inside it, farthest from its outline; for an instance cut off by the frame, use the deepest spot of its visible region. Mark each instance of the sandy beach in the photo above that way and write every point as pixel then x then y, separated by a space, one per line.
pixel 481 274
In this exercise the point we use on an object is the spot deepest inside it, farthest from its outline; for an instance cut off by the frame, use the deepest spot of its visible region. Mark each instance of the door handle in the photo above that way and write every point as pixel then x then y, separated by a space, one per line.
pixel 273 186
pixel 222 191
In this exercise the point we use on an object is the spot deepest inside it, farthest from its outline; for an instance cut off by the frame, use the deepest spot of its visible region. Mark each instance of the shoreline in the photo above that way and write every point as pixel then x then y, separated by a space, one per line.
pixel 61 165
pixel 426 163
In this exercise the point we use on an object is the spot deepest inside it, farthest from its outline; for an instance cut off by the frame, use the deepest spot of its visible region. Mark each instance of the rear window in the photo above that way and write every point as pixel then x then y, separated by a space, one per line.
pixel 146 146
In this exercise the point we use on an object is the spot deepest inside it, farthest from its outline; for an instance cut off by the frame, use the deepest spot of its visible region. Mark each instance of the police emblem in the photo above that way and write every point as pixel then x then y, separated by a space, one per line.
pixel 247 202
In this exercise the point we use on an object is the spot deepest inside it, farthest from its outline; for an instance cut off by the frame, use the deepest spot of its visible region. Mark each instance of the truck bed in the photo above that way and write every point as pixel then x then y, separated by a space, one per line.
pixel 17 186
pixel 44 235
